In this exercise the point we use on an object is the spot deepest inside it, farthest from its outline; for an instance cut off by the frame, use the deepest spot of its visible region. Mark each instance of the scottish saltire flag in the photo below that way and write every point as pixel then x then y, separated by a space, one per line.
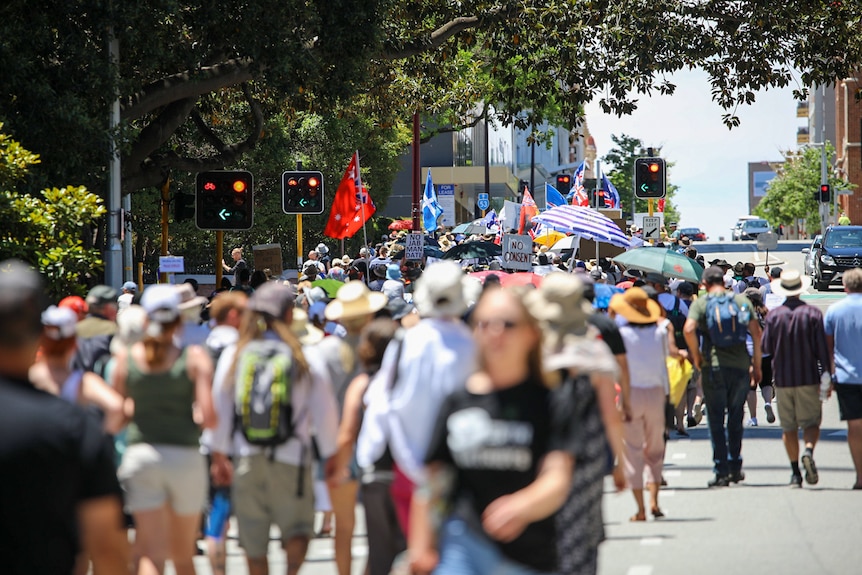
pixel 578 194
pixel 553 197
pixel 431 210
pixel 611 195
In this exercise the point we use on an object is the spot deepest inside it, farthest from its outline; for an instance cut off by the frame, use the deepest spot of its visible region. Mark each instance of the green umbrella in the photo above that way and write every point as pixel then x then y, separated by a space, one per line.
pixel 329 285
pixel 661 261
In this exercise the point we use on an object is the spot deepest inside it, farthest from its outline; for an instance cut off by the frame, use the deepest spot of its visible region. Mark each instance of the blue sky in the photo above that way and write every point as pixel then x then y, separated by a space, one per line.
pixel 711 162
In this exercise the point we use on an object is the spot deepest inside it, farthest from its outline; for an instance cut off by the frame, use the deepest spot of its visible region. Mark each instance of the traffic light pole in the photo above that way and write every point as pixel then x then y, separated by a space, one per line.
pixel 219 257
pixel 166 197
pixel 299 243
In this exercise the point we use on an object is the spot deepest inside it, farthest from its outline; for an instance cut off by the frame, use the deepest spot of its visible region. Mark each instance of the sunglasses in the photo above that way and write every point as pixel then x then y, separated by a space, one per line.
pixel 498 324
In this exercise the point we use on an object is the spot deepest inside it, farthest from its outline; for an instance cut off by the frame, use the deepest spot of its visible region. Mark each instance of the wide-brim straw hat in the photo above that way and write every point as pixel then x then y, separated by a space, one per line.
pixel 636 306
pixel 354 300
pixel 791 283
pixel 559 303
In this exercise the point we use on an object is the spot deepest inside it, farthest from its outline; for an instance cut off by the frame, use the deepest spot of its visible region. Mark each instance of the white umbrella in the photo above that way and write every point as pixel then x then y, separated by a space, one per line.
pixel 566 243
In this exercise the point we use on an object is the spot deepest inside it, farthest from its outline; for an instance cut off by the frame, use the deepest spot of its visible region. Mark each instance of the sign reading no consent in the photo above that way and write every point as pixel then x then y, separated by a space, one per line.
pixel 517 253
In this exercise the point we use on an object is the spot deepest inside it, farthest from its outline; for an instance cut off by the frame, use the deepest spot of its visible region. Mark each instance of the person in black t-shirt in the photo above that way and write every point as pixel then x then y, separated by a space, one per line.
pixel 58 488
pixel 499 441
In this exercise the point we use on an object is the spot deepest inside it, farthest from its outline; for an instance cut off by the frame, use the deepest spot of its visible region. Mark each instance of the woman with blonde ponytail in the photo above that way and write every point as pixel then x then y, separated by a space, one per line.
pixel 271 484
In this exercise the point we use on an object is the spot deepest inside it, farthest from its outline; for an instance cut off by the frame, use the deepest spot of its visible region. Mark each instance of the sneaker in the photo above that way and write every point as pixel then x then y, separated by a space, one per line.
pixel 721 481
pixel 736 476
pixel 752 422
pixel 795 480
pixel 811 476
pixel 698 413
pixel 770 414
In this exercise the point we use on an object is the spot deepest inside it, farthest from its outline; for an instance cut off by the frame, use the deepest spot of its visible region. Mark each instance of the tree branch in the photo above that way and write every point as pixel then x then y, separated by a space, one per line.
pixel 452 128
pixel 159 131
pixel 441 35
pixel 188 84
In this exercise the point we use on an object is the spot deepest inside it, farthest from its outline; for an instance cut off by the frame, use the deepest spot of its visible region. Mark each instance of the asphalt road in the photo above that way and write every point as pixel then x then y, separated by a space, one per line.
pixel 761 525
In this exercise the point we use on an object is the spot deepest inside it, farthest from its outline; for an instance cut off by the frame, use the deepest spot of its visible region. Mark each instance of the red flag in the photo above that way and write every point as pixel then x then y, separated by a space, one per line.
pixel 351 206
pixel 529 209
pixel 661 205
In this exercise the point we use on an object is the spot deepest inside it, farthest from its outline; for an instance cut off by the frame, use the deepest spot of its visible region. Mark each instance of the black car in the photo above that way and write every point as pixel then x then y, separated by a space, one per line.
pixel 839 250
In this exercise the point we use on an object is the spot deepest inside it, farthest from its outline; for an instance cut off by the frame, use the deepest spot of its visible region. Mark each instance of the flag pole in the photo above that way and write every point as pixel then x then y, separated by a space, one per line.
pixel 362 203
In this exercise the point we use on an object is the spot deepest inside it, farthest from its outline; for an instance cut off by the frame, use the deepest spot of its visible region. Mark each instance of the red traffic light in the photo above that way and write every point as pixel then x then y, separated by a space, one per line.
pixel 824 188
pixel 239 186
pixel 292 183
pixel 210 186
pixel 564 179
pixel 313 182
pixel 654 168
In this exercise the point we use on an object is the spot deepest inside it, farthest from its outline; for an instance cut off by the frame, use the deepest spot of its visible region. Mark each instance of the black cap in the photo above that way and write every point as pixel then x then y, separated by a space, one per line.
pixel 713 275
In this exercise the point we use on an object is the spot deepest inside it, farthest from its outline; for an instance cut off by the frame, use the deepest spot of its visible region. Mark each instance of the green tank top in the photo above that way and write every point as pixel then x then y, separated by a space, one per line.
pixel 163 405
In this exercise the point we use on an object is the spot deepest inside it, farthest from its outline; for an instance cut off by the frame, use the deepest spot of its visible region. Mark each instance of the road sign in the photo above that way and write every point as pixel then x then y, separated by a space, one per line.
pixel 843 192
pixel 446 200
pixel 484 202
pixel 172 265
pixel 767 241
pixel 652 228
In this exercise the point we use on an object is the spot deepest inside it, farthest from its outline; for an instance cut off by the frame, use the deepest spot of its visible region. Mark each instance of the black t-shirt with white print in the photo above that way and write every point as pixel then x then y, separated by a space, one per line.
pixel 496 442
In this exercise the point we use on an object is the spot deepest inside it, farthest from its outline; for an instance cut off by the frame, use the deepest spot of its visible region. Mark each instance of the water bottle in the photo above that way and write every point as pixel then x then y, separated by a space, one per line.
pixel 219 515
pixel 825 384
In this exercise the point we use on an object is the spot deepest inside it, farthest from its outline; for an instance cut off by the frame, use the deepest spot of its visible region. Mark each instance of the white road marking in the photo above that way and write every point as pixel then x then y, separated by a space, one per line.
pixel 652 541
pixel 639 570
pixel 679 456
pixel 668 492
pixel 672 473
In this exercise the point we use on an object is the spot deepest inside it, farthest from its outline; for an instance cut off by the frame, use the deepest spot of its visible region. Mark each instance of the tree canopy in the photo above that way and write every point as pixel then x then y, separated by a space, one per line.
pixel 188 69
pixel 790 194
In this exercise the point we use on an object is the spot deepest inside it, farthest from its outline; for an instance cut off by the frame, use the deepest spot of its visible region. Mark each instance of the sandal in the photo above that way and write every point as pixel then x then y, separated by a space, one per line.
pixel 637 517
pixel 325 532
pixel 657 513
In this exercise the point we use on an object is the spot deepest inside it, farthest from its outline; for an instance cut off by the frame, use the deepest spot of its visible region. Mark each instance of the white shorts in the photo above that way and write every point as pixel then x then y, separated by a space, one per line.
pixel 152 475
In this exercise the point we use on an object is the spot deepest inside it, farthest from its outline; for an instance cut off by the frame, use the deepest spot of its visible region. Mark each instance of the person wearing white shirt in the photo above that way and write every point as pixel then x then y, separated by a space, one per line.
pixel 273 485
pixel 432 359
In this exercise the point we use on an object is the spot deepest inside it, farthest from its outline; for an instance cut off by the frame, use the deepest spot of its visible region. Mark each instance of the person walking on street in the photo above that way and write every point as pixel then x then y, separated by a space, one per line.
pixel 58 489
pixel 794 336
pixel 725 320
pixel 843 324
pixel 239 264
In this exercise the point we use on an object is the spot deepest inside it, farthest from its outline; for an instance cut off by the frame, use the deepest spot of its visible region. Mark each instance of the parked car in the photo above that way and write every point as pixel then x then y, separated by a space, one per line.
pixel 750 229
pixel 839 250
pixel 811 254
pixel 694 234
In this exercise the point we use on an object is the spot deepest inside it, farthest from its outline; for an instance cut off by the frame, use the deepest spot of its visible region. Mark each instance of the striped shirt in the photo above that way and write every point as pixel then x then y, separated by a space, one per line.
pixel 794 335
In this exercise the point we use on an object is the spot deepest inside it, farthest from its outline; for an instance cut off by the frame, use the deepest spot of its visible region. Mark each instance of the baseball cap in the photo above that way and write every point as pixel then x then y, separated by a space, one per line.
pixel 272 299
pixel 162 303
pixel 713 274
pixel 775 272
pixel 101 294
pixel 130 286
pixel 60 321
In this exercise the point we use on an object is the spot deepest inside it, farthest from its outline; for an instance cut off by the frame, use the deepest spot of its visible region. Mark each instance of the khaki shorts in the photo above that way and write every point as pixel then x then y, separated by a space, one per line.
pixel 799 407
pixel 267 492
pixel 153 475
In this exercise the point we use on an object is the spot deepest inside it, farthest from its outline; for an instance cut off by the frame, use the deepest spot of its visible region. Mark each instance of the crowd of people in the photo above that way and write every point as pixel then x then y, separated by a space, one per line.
pixel 476 423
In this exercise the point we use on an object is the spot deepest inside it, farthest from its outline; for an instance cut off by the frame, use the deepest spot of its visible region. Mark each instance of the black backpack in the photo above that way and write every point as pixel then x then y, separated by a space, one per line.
pixel 677 319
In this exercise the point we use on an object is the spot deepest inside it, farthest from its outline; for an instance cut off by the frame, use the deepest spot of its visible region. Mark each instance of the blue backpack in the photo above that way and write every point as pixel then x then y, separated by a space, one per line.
pixel 726 320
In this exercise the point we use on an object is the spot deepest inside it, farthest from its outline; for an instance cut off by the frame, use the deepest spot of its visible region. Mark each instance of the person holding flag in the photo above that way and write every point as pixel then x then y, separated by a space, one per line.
pixel 351 206
pixel 431 210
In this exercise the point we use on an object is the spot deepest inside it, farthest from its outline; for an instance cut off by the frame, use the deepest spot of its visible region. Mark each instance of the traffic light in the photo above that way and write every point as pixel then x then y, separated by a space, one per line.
pixel 302 192
pixel 184 207
pixel 825 194
pixel 564 183
pixel 597 198
pixel 650 178
pixel 224 200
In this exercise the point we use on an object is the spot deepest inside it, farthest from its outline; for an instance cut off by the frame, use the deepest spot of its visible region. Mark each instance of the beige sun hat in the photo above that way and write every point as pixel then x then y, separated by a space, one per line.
pixel 353 300
pixel 191 304
pixel 791 283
